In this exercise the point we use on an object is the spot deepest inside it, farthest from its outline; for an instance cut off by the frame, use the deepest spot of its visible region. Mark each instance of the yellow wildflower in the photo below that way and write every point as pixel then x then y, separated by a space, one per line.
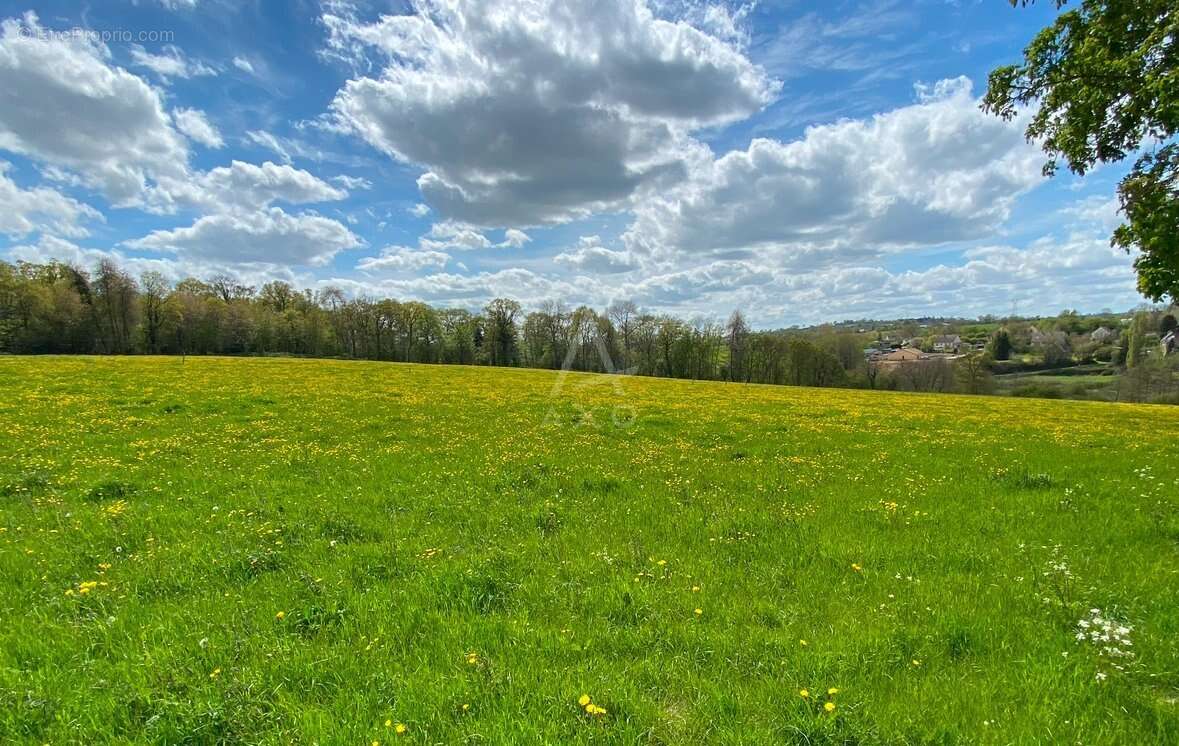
pixel 280 615
pixel 400 729
pixel 803 693
pixel 829 707
pixel 583 700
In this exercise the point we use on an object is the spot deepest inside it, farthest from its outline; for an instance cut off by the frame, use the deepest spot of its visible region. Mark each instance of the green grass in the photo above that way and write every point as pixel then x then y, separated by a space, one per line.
pixel 935 553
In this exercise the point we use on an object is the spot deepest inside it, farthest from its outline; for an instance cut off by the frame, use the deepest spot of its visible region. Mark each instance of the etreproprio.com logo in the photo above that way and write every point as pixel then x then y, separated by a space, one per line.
pixel 105 36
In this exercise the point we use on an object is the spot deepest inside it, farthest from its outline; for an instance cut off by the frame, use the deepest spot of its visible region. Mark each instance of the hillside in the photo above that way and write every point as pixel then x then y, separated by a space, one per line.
pixel 219 550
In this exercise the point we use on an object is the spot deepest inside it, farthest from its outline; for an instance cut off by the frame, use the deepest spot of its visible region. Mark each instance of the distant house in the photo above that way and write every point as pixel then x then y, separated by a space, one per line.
pixel 904 355
pixel 1101 335
pixel 1170 343
pixel 1055 338
pixel 947 343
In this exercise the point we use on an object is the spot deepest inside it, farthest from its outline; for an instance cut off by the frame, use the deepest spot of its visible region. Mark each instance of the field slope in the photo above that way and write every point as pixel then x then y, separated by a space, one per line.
pixel 290 551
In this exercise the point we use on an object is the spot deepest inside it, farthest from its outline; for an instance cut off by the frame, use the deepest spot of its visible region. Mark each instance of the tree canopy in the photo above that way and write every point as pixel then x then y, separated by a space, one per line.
pixel 1104 81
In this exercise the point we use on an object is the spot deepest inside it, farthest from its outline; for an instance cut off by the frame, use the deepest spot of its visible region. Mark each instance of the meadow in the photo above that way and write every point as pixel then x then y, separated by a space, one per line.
pixel 268 551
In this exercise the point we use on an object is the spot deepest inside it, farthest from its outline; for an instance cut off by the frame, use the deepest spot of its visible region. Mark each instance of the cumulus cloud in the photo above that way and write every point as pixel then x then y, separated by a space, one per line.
pixel 64 105
pixel 172 63
pixel 196 127
pixel 590 256
pixel 245 186
pixel 536 112
pixel 514 238
pixel 449 235
pixel 404 258
pixel 936 171
pixel 474 290
pixel 1049 274
pixel 24 211
pixel 173 268
pixel 268 236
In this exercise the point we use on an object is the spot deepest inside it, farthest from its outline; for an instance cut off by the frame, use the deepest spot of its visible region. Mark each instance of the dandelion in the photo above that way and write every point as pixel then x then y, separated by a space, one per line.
pixel 695 589
pixel 280 615
pixel 583 700
pixel 856 567
pixel 388 723
pixel 832 691
pixel 804 693
pixel 829 707
pixel 916 663
pixel 215 673
pixel 699 612
pixel 400 729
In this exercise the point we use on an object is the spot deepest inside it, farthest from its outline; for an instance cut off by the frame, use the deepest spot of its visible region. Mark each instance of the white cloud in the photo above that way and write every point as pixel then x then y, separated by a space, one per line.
pixel 514 239
pixel 352 182
pixel 590 256
pixel 243 64
pixel 419 210
pixel 197 127
pixel 404 258
pixel 172 268
pixel 579 107
pixel 1046 276
pixel 246 186
pixel 24 211
pixel 937 171
pixel 61 103
pixel 448 235
pixel 267 140
pixel 171 64
pixel 474 290
pixel 268 236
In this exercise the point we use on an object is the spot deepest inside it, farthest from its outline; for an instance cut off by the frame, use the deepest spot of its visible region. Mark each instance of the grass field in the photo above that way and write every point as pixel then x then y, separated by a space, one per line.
pixel 289 551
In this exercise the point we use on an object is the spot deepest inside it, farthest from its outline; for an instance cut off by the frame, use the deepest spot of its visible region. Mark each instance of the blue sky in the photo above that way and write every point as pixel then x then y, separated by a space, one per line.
pixel 801 161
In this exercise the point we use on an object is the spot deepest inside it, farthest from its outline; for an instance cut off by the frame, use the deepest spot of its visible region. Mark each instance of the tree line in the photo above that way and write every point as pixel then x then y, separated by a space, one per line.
pixel 58 308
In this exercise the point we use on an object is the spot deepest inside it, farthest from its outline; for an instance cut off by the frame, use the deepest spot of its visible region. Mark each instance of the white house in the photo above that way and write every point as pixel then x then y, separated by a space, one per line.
pixel 1101 335
pixel 947 343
